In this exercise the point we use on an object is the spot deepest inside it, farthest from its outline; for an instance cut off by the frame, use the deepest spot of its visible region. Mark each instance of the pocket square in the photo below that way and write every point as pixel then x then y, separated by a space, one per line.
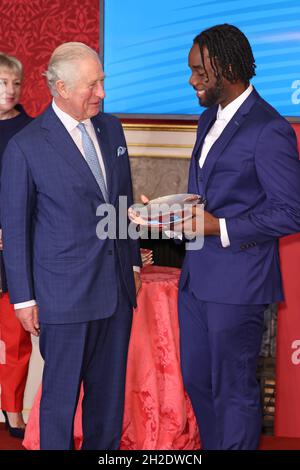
pixel 121 151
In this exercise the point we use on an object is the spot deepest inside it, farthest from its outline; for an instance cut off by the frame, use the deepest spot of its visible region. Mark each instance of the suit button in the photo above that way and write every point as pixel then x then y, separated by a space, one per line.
pixel 110 252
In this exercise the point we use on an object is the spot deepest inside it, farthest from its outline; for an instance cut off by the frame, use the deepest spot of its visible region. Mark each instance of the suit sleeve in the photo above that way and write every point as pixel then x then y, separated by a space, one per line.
pixel 17 196
pixel 278 170
pixel 134 244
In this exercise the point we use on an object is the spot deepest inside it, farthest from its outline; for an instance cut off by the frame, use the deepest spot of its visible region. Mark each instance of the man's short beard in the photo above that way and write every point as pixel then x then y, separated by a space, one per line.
pixel 213 95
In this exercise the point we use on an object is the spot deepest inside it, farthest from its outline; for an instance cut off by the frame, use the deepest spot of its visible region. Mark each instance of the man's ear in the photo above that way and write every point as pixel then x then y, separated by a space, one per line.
pixel 61 89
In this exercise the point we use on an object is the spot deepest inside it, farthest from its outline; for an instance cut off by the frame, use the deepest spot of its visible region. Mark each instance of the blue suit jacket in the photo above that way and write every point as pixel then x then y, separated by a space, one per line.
pixel 251 177
pixel 48 212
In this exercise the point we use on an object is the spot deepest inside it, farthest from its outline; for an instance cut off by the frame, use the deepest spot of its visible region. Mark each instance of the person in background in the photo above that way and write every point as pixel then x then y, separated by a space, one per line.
pixel 15 340
pixel 79 288
pixel 246 166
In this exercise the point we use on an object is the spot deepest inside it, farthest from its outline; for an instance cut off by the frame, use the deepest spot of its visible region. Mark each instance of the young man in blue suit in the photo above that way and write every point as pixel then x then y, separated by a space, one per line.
pixel 245 164
pixel 70 287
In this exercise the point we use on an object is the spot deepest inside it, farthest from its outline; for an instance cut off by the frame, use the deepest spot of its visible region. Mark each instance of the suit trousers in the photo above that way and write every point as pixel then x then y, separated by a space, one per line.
pixel 219 346
pixel 94 353
pixel 16 343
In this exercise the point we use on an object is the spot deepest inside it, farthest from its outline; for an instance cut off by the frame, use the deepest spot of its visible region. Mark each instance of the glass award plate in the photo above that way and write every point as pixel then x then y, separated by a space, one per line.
pixel 164 211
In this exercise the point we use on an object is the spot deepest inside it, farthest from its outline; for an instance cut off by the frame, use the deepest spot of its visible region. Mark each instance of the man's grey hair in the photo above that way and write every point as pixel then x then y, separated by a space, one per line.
pixel 12 63
pixel 63 64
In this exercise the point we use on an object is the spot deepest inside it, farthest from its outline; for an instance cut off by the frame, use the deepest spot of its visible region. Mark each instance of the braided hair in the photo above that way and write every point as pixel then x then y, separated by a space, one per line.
pixel 229 50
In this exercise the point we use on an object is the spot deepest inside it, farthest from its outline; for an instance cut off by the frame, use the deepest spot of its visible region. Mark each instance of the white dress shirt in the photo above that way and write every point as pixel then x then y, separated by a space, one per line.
pixel 223 117
pixel 71 126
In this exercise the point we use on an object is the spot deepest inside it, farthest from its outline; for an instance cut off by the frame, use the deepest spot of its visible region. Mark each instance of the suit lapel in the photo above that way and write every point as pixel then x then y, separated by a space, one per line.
pixel 203 128
pixel 205 123
pixel 216 150
pixel 232 127
pixel 62 142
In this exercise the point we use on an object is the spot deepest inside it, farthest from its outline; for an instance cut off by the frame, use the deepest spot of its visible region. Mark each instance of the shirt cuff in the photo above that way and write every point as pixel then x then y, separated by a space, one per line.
pixel 224 234
pixel 137 269
pixel 29 303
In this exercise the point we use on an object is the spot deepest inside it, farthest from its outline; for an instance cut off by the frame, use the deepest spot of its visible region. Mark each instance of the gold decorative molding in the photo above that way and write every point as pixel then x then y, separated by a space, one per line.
pixel 160 140
pixel 160 127
pixel 159 145
pixel 158 155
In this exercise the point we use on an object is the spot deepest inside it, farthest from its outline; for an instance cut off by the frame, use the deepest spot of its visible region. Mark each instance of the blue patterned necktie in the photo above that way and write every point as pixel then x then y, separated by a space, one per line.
pixel 92 159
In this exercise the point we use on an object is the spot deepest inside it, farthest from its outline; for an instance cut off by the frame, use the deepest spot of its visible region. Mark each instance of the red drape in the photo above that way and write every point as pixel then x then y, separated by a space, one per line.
pixel 287 407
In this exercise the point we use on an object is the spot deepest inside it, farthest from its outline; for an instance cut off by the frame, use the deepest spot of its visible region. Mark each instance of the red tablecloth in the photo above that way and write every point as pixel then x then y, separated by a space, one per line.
pixel 158 413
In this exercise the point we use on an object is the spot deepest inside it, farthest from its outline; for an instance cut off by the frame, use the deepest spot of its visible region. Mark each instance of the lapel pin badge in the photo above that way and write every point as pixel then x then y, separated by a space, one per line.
pixel 121 151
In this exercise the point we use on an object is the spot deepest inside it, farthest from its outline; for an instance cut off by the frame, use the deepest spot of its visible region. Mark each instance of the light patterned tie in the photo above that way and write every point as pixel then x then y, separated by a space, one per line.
pixel 92 159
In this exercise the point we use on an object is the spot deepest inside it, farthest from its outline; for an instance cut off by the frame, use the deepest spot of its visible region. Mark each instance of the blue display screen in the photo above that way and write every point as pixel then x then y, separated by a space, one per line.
pixel 146 45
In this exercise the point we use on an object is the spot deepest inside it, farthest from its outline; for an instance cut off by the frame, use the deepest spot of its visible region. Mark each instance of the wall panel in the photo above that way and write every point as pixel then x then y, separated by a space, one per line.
pixel 32 29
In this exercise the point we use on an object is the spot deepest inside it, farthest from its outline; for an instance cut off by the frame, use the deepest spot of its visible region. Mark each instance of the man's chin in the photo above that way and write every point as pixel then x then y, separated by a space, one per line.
pixel 94 110
pixel 202 103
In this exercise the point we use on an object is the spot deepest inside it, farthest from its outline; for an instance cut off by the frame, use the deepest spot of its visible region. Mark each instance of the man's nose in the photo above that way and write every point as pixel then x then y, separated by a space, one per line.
pixel 100 91
pixel 192 80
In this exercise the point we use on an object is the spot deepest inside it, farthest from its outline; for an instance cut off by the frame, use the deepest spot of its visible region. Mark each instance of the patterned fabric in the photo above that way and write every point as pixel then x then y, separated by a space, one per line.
pixel 92 159
pixel 158 413
pixel 32 30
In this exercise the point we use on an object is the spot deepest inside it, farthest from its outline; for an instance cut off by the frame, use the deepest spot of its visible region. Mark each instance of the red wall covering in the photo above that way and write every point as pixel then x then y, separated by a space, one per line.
pixel 32 29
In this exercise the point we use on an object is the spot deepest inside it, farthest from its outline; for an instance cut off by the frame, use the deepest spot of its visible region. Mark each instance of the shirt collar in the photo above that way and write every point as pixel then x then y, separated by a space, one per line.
pixel 227 113
pixel 68 121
